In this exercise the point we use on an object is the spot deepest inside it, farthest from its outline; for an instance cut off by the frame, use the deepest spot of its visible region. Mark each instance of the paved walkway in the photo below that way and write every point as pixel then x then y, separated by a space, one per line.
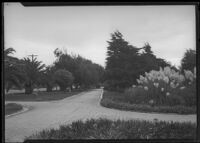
pixel 81 106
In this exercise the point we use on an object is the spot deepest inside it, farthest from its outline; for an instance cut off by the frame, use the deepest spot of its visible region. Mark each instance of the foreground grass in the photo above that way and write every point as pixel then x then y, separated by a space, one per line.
pixel 118 101
pixel 41 96
pixel 11 108
pixel 119 129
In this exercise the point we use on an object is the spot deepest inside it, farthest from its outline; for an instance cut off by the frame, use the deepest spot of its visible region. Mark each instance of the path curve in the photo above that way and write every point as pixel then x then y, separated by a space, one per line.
pixel 82 106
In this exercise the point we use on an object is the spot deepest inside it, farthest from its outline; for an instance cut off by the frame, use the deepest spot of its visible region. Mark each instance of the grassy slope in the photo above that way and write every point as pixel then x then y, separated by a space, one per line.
pixel 107 129
pixel 118 101
pixel 11 108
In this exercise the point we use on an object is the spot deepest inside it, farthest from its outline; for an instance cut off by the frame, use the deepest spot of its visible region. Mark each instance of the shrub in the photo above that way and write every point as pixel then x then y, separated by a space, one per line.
pixel 120 129
pixel 188 94
pixel 118 101
pixel 136 95
pixel 164 86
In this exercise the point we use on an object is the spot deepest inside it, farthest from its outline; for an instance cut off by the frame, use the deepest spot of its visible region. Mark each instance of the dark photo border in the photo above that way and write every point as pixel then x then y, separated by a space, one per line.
pixel 47 4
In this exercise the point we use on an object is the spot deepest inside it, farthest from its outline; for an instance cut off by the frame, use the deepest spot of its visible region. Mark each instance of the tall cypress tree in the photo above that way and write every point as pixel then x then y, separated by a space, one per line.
pixel 124 64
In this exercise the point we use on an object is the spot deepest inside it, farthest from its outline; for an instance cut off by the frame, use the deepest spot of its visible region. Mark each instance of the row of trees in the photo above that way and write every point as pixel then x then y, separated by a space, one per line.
pixel 67 71
pixel 78 72
pixel 125 63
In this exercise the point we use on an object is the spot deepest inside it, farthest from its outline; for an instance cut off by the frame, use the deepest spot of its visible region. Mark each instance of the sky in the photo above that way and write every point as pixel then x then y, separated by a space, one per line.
pixel 85 30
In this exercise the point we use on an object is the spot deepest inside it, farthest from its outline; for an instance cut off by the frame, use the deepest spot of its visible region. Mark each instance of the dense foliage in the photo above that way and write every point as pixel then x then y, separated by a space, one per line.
pixel 120 129
pixel 135 100
pixel 124 63
pixel 165 91
pixel 168 87
pixel 147 82
pixel 13 73
pixel 64 79
pixel 188 61
pixel 67 71
pixel 32 70
pixel 85 72
pixel 48 78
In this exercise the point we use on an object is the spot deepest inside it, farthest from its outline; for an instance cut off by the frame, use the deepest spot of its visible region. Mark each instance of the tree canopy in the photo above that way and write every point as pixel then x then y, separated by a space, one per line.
pixel 188 61
pixel 63 78
pixel 124 62
pixel 85 72
pixel 32 72
pixel 13 74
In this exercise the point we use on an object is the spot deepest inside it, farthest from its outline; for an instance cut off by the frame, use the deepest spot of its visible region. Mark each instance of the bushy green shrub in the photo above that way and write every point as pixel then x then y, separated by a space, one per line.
pixel 120 129
pixel 120 101
pixel 166 87
pixel 136 95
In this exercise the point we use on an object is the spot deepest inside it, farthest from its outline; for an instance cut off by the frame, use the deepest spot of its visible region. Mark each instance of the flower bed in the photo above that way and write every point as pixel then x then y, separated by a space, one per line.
pixel 119 101
pixel 164 91
pixel 166 87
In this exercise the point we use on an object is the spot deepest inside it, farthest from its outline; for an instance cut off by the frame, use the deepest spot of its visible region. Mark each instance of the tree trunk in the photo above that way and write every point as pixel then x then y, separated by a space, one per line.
pixel 7 86
pixel 28 89
pixel 49 88
pixel 62 88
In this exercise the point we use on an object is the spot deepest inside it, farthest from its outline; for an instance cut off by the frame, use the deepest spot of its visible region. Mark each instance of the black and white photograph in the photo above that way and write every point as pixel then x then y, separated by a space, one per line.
pixel 99 72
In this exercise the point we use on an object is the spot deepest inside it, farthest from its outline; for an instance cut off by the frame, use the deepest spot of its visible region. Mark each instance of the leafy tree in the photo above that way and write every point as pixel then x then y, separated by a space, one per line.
pixel 13 74
pixel 48 78
pixel 85 72
pixel 163 63
pixel 121 57
pixel 89 74
pixel 124 63
pixel 33 71
pixel 148 61
pixel 63 78
pixel 188 61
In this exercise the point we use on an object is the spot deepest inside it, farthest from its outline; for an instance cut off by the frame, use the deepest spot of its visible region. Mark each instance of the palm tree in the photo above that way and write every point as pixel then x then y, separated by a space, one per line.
pixel 33 70
pixel 13 74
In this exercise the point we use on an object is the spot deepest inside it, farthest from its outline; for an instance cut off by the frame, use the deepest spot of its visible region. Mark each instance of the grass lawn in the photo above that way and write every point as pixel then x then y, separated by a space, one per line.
pixel 119 129
pixel 11 108
pixel 118 101
pixel 42 96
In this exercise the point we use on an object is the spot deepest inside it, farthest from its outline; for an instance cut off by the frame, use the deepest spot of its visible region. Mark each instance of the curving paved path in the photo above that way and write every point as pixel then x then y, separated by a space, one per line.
pixel 83 106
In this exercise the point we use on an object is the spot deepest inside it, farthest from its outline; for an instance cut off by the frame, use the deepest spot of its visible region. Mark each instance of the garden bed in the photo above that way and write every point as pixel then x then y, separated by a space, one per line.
pixel 11 108
pixel 41 96
pixel 118 101
pixel 119 129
